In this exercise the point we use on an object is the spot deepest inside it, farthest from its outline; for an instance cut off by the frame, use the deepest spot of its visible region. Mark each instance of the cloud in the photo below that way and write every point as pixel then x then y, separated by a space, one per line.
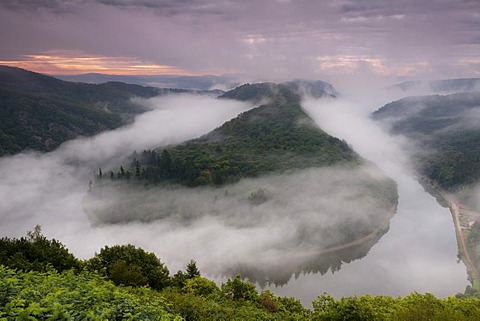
pixel 262 39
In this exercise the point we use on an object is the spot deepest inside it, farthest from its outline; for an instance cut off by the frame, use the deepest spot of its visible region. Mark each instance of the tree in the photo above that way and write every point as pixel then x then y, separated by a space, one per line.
pixel 191 272
pixel 36 233
pixel 122 172
pixel 137 168
pixel 165 164
pixel 237 289
pixel 36 252
pixel 200 286
pixel 127 274
pixel 126 264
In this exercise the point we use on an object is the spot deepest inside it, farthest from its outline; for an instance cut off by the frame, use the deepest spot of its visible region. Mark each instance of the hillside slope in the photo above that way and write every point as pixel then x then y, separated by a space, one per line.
pixel 40 112
pixel 446 130
pixel 274 137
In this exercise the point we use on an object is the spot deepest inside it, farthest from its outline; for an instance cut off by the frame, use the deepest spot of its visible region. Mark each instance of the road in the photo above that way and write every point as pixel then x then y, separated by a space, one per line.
pixel 455 209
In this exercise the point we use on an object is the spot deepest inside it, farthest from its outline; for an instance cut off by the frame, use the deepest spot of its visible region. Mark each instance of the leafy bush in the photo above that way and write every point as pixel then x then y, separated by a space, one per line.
pixel 35 252
pixel 66 296
pixel 128 265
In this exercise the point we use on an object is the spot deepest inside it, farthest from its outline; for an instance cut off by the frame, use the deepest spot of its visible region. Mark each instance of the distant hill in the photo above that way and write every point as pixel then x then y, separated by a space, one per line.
pixel 114 95
pixel 261 91
pixel 446 130
pixel 440 86
pixel 316 89
pixel 206 82
pixel 40 112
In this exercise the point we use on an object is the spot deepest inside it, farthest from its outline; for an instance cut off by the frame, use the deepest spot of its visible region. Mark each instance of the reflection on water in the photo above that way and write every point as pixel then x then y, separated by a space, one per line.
pixel 280 271
pixel 419 253
pixel 311 221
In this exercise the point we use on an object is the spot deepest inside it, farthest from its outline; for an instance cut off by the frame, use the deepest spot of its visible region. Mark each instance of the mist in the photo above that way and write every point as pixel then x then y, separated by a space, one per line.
pixel 250 225
pixel 255 222
pixel 276 237
pixel 48 189
pixel 419 252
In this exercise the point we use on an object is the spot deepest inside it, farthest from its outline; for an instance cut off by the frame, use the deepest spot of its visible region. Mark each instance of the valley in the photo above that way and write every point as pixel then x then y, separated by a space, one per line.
pixel 296 210
pixel 239 160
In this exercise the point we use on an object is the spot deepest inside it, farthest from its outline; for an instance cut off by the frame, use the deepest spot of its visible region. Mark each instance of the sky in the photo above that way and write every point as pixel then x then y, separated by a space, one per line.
pixel 259 39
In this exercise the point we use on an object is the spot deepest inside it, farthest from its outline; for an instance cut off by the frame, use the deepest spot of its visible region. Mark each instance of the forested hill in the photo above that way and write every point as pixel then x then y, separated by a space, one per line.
pixel 258 92
pixel 446 130
pixel 113 95
pixel 276 136
pixel 40 112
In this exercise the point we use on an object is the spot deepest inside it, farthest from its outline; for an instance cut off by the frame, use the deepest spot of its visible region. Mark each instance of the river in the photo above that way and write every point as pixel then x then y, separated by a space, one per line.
pixel 418 253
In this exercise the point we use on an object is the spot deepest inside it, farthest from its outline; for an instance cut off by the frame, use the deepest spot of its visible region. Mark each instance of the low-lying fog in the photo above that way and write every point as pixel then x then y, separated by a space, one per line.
pixel 418 253
pixel 48 189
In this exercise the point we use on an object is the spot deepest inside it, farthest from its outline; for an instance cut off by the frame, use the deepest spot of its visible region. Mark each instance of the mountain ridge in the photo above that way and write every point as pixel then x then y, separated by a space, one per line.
pixel 40 112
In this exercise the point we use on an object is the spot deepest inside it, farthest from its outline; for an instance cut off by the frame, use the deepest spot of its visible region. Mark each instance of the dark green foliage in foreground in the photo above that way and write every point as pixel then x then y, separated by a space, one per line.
pixel 131 266
pixel 447 133
pixel 35 252
pixel 69 296
pixel 473 243
pixel 277 136
pixel 86 295
pixel 412 307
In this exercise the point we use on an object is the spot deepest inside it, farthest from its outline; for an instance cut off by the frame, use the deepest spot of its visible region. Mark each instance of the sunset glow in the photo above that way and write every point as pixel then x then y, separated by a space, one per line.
pixel 66 63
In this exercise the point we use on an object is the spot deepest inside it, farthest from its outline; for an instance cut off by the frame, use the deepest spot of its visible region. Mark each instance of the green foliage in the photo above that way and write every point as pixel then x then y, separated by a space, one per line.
pixel 52 295
pixel 66 296
pixel 35 252
pixel 128 265
pixel 237 289
pixel 458 160
pixel 180 278
pixel 200 286
pixel 412 307
pixel 214 305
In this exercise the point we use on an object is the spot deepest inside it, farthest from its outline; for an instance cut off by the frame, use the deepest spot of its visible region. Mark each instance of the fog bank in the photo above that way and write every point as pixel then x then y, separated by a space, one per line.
pixel 48 189
pixel 419 252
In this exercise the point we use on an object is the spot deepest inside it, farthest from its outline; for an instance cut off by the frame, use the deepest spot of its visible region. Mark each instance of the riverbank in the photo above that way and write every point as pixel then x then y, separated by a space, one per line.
pixel 464 249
